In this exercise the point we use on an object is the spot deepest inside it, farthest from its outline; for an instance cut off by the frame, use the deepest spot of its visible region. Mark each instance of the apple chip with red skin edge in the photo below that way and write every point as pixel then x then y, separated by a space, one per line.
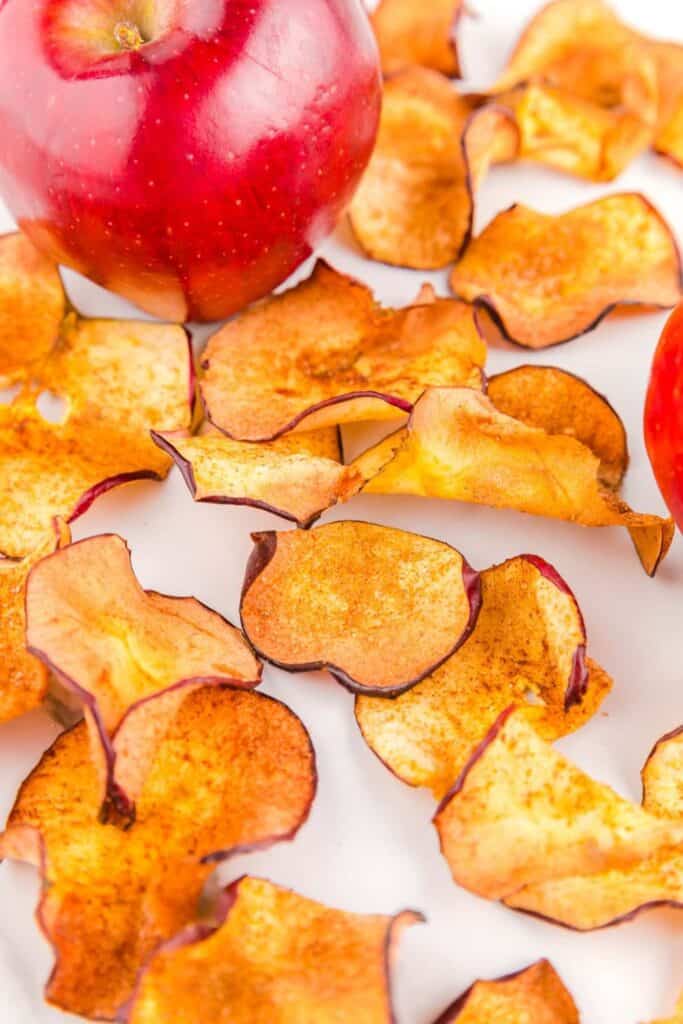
pixel 23 680
pixel 324 353
pixel 273 957
pixel 457 445
pixel 545 279
pixel 129 654
pixel 535 994
pixel 528 644
pixel 409 35
pixel 378 608
pixel 415 204
pixel 233 771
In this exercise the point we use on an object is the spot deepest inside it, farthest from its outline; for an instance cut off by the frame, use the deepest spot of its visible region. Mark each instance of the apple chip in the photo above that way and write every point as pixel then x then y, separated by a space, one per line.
pixel 669 141
pixel 121 649
pixel 546 279
pixel 522 815
pixel 324 353
pixel 234 770
pixel 536 994
pixel 296 476
pixel 528 647
pixel 378 608
pixel 274 957
pixel 23 680
pixel 409 34
pixel 457 445
pixel 415 204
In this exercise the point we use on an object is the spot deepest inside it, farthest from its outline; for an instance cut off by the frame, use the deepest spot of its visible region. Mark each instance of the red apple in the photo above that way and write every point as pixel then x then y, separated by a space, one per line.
pixel 664 415
pixel 188 154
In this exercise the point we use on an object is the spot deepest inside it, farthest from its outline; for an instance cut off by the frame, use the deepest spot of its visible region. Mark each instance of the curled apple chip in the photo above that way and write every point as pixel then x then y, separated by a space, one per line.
pixel 324 353
pixel 233 770
pixel 378 608
pixel 409 35
pixel 536 994
pixel 296 476
pixel 546 279
pixel 528 647
pixel 122 649
pixel 457 445
pixel 415 203
pixel 273 956
pixel 669 141
pixel 23 680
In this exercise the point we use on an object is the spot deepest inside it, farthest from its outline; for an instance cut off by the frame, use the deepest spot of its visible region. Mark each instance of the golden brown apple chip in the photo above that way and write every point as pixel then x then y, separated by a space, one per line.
pixel 528 647
pixel 233 771
pixel 294 476
pixel 525 825
pixel 536 994
pixel 23 680
pixel 663 776
pixel 273 957
pixel 546 279
pixel 457 445
pixel 668 58
pixel 378 608
pixel 415 204
pixel 670 139
pixel 118 380
pixel 122 649
pixel 325 353
pixel 410 34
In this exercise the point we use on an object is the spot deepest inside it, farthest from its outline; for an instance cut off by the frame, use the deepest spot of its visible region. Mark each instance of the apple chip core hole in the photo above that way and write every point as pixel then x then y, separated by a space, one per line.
pixel 51 407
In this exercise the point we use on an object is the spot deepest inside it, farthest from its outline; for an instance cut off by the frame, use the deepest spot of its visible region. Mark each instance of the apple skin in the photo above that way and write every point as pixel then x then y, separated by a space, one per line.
pixel 664 415
pixel 193 174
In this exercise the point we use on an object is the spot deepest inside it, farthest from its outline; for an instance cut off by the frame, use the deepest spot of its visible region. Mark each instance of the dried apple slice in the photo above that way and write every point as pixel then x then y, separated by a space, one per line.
pixel 457 445
pixel 233 771
pixel 521 814
pixel 669 141
pixel 409 35
pixel 121 649
pixel 415 204
pixel 378 608
pixel 23 680
pixel 545 279
pixel 528 645
pixel 273 956
pixel 324 353
pixel 536 994
pixel 289 477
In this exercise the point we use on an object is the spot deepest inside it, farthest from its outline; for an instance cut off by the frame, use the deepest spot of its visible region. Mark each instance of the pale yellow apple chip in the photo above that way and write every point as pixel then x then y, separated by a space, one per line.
pixel 528 647
pixel 548 278
pixel 415 204
pixel 122 649
pixel 411 34
pixel 274 957
pixel 535 995
pixel 232 770
pixel 378 608
pixel 324 353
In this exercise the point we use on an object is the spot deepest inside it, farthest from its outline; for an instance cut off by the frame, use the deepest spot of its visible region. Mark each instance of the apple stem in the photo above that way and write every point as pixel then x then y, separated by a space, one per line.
pixel 128 36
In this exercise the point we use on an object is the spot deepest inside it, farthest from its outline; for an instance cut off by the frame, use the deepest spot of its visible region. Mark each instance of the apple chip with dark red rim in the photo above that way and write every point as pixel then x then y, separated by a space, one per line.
pixel 528 646
pixel 415 204
pixel 232 771
pixel 117 380
pixel 459 446
pixel 410 34
pixel 324 353
pixel 545 279
pixel 275 957
pixel 379 608
pixel 525 825
pixel 537 994
pixel 128 653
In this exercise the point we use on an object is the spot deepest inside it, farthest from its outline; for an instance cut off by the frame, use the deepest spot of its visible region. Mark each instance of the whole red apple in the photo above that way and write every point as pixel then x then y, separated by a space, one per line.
pixel 188 154
pixel 664 415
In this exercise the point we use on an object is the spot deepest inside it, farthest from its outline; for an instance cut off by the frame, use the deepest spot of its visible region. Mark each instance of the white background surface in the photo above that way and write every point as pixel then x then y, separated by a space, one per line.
pixel 369 844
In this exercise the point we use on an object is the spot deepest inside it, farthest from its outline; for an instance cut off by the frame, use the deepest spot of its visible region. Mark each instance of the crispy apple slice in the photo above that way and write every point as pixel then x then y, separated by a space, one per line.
pixel 409 35
pixel 233 771
pixel 535 994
